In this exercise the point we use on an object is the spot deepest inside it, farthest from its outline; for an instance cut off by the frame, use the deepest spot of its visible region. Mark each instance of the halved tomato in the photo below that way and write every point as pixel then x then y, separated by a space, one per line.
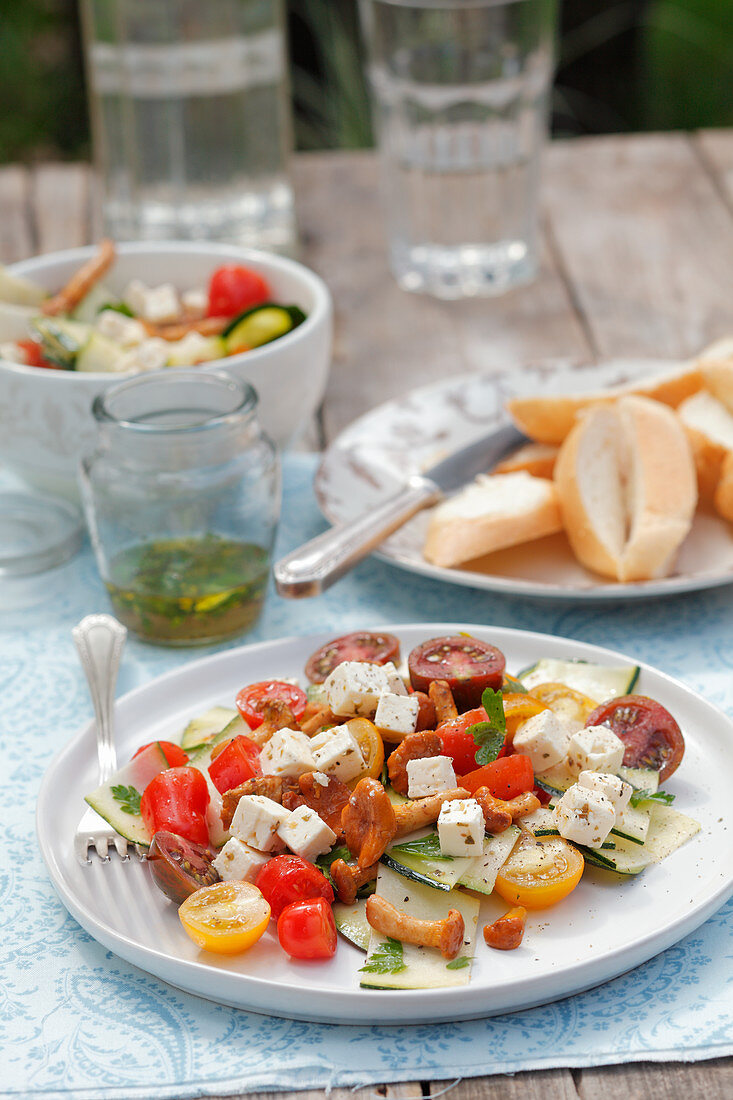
pixel 569 705
pixel 363 645
pixel 252 699
pixel 651 735
pixel 540 872
pixel 225 918
pixel 368 738
pixel 467 664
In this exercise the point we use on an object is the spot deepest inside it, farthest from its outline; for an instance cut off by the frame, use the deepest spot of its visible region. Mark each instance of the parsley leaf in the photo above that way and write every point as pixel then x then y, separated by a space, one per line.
pixel 647 796
pixel 458 963
pixel 512 685
pixel 323 863
pixel 428 846
pixel 387 959
pixel 490 735
pixel 128 798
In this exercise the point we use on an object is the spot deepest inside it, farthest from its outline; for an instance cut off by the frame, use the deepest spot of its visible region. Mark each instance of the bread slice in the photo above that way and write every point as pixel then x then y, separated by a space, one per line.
pixel 627 487
pixel 493 512
pixel 549 419
pixel 709 427
pixel 537 459
pixel 724 489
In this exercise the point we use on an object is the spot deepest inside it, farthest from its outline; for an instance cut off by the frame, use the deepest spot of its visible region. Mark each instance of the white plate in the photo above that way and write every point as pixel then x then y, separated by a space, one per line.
pixel 369 460
pixel 605 927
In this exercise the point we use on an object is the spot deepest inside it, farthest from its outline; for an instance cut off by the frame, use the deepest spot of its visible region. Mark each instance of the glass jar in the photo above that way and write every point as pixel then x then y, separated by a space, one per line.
pixel 182 498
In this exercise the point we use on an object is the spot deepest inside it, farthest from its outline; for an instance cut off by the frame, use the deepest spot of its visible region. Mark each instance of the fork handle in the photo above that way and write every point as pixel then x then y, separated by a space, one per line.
pixel 100 640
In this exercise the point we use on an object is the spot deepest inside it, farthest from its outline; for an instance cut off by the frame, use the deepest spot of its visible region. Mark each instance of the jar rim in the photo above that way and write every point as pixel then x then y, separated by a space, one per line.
pixel 243 396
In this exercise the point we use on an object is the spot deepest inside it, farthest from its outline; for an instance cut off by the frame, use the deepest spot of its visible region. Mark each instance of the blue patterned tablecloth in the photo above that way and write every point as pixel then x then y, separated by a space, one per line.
pixel 76 1020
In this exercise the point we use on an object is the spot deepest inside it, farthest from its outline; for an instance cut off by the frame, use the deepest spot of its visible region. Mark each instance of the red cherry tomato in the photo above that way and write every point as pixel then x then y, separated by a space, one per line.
pixel 651 735
pixel 174 754
pixel 467 664
pixel 238 760
pixel 33 355
pixel 307 930
pixel 175 801
pixel 286 879
pixel 544 796
pixel 360 646
pixel 506 778
pixel 179 867
pixel 252 699
pixel 233 288
pixel 457 743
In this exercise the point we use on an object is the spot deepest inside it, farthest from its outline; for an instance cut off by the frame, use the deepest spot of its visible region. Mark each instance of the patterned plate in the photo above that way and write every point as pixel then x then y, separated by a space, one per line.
pixel 607 926
pixel 370 459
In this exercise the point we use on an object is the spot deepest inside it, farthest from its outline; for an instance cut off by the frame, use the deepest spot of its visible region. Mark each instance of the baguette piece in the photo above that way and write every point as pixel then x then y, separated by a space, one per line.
pixel 493 512
pixel 537 459
pixel 549 419
pixel 627 487
pixel 709 427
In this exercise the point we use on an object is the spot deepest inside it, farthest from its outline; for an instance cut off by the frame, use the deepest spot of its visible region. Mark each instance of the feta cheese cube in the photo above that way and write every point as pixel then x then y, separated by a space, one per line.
pixel 191 349
pixel 125 331
pixel 151 354
pixel 354 688
pixel 256 821
pixel 397 713
pixel 237 862
pixel 288 753
pixel 461 828
pixel 336 752
pixel 596 749
pixel 306 834
pixel 584 816
pixel 157 304
pixel 612 786
pixel 430 775
pixel 195 300
pixel 544 739
pixel 395 679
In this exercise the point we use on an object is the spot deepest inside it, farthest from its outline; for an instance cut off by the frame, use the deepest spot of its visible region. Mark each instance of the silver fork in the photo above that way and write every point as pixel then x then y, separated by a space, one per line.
pixel 100 640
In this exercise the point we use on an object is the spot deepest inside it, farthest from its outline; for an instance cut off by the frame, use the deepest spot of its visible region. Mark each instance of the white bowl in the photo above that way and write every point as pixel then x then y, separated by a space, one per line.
pixel 46 422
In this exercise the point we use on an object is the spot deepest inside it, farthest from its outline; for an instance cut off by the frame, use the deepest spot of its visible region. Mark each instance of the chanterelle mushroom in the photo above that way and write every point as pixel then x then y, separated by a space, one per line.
pixel 368 822
pixel 446 935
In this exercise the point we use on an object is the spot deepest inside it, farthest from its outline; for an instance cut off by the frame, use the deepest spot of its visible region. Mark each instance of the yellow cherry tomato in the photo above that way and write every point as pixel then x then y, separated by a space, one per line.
pixel 367 737
pixel 569 705
pixel 226 918
pixel 540 872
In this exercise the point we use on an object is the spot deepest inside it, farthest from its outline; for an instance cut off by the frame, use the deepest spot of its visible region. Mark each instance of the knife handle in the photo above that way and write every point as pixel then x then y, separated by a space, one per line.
pixel 314 567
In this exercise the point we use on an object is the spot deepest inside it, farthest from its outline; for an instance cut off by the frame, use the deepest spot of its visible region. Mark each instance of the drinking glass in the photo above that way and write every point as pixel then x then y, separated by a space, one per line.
pixel 191 120
pixel 182 496
pixel 460 90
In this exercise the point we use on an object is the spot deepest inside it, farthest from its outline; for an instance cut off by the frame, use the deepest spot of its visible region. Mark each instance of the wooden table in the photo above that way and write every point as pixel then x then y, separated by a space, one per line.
pixel 637 260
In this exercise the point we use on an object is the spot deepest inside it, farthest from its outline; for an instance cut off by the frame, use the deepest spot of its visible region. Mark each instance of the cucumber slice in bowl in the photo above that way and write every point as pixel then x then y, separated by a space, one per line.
pixel 599 682
pixel 118 800
pixel 418 858
pixel 204 727
pixel 351 922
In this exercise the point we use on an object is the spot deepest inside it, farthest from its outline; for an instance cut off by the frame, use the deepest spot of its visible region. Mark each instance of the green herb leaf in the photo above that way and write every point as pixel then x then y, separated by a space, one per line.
pixel 387 959
pixel 513 685
pixel 458 963
pixel 647 796
pixel 490 735
pixel 428 846
pixel 128 798
pixel 323 863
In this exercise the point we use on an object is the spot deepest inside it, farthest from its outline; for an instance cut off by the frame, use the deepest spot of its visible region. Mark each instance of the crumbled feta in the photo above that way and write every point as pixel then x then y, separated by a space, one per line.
pixel 13 353
pixel 354 688
pixel 584 816
pixel 461 828
pixel 288 753
pixel 397 713
pixel 237 862
pixel 191 349
pixel 430 775
pixel 125 331
pixel 336 752
pixel 256 821
pixel 612 786
pixel 306 834
pixel 157 304
pixel 395 679
pixel 544 739
pixel 195 300
pixel 151 354
pixel 320 778
pixel 596 749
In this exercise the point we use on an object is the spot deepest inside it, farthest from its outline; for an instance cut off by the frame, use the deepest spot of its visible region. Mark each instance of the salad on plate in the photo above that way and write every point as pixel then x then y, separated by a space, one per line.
pixel 384 802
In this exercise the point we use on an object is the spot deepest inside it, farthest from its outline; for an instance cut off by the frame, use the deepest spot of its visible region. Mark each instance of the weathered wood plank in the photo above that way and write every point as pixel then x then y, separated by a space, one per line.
pixel 407 1091
pixel 716 149
pixel 658 1081
pixel 646 241
pixel 389 341
pixel 61 206
pixel 16 238
pixel 553 1084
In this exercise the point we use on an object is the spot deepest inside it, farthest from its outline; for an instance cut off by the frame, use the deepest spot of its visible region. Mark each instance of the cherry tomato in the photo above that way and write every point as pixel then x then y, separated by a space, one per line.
pixel 34 356
pixel 458 743
pixel 467 664
pixel 173 753
pixel 517 709
pixel 369 740
pixel 570 706
pixel 307 930
pixel 378 649
pixel 233 288
pixel 226 918
pixel 506 778
pixel 652 737
pixel 286 879
pixel 237 760
pixel 252 699
pixel 175 801
pixel 179 867
pixel 540 872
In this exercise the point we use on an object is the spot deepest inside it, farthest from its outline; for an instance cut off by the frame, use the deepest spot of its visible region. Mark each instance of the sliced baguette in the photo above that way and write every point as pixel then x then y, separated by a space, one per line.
pixel 627 487
pixel 493 512
pixel 709 428
pixel 537 459
pixel 549 419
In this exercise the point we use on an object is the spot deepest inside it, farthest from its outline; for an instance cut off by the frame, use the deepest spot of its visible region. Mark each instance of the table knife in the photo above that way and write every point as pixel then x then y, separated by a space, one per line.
pixel 314 567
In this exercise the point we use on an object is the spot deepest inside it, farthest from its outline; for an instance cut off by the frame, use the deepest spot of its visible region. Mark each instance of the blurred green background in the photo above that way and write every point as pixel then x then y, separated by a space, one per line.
pixel 623 65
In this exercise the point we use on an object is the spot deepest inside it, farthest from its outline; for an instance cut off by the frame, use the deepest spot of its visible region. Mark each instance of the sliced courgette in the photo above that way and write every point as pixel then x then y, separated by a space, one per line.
pixel 641 779
pixel 295 316
pixel 599 682
pixel 351 922
pixel 180 353
pixel 118 800
pixel 668 830
pixel 481 874
pixel 625 859
pixel 633 826
pixel 100 355
pixel 439 872
pixel 202 728
pixel 98 298
pixel 259 327
pixel 15 321
pixel 19 291
pixel 61 341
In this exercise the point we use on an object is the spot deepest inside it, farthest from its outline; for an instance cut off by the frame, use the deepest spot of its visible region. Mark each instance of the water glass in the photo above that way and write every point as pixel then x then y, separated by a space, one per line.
pixel 182 497
pixel 191 119
pixel 460 90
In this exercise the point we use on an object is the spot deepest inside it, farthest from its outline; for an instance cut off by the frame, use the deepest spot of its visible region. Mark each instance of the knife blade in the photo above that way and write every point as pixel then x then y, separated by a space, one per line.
pixel 315 566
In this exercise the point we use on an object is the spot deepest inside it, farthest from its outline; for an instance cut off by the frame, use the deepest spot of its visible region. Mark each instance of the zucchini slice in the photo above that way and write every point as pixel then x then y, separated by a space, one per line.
pixel 19 291
pixel 99 354
pixel 641 779
pixel 481 875
pixel 599 682
pixel 351 922
pixel 118 800
pixel 439 873
pixel 202 728
pixel 625 859
pixel 61 341
pixel 668 830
